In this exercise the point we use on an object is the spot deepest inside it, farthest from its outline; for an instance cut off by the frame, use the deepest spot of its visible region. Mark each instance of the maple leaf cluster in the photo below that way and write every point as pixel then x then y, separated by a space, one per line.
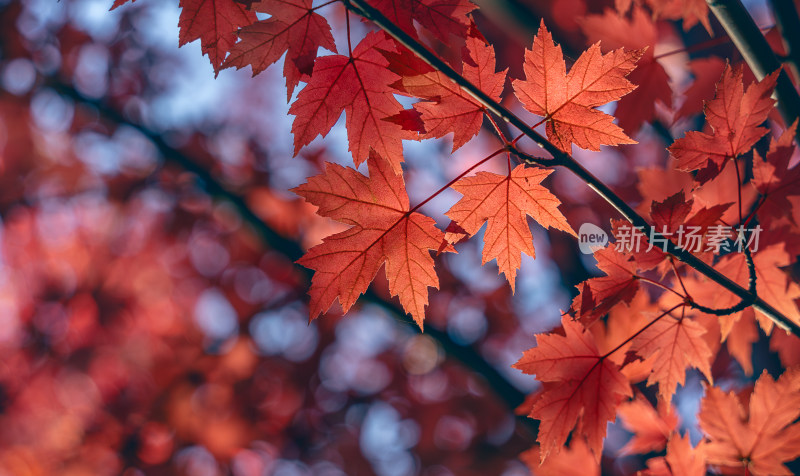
pixel 649 318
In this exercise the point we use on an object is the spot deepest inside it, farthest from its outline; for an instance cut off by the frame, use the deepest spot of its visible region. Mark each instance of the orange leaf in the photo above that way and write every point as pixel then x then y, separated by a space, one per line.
pixel 735 116
pixel 767 438
pixel 599 295
pixel 678 344
pixel 706 72
pixel 681 459
pixel 503 201
pixel 568 101
pixel 772 283
pixel 577 460
pixel 651 429
pixel 383 230
pixel 580 387
pixel 690 11
pixel 775 179
pixel 639 31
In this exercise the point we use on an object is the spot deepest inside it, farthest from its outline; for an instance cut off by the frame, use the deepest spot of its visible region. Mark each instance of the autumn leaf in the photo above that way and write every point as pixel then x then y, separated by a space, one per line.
pixel 690 11
pixel 681 459
pixel 359 85
pixel 581 388
pixel 772 284
pixel 577 460
pixel 119 3
pixel 384 230
pixel 293 28
pixel 442 17
pixel 214 23
pixel 448 108
pixel 706 72
pixel 638 32
pixel 671 213
pixel 568 101
pixel 598 295
pixel 735 117
pixel 651 429
pixel 774 179
pixel 765 439
pixel 676 343
pixel 503 201
pixel 741 332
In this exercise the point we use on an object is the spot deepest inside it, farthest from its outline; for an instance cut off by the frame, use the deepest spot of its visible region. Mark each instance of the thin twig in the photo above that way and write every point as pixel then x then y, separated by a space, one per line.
pixel 742 305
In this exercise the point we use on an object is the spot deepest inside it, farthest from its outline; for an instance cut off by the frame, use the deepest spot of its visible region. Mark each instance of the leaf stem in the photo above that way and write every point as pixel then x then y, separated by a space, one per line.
pixel 738 186
pixel 324 5
pixel 678 275
pixel 456 179
pixel 660 285
pixel 647 326
pixel 743 304
pixel 503 138
pixel 497 128
pixel 349 41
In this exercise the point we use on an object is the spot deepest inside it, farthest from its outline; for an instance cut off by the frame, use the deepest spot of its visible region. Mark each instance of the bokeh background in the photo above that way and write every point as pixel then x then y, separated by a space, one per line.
pixel 152 321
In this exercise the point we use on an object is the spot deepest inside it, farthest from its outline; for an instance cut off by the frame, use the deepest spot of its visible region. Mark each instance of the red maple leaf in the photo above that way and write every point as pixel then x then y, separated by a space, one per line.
pixel 772 284
pixel 581 388
pixel 359 85
pixel 448 108
pixel 638 32
pixel 214 23
pixel 673 344
pixel 442 17
pixel 706 72
pixel 118 3
pixel 735 117
pixel 503 201
pixel 293 28
pixel 740 333
pixel 577 460
pixel 775 180
pixel 764 440
pixel 384 230
pixel 598 295
pixel 651 429
pixel 568 101
pixel 681 459
pixel 671 213
pixel 690 11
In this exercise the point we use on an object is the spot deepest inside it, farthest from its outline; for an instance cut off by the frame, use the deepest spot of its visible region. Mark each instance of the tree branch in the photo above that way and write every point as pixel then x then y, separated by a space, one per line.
pixel 749 40
pixel 565 160
pixel 788 22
